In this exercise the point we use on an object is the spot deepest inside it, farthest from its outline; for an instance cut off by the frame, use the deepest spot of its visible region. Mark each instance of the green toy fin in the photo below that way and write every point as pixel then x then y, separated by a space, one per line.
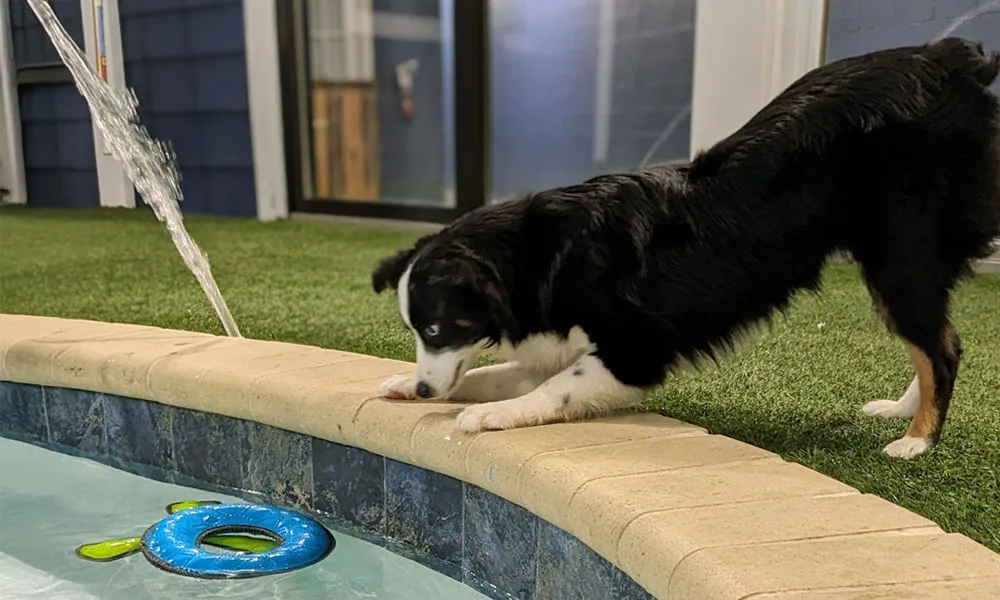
pixel 109 550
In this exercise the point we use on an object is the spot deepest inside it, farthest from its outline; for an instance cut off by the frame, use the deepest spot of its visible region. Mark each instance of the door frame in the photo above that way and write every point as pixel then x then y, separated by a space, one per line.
pixel 471 123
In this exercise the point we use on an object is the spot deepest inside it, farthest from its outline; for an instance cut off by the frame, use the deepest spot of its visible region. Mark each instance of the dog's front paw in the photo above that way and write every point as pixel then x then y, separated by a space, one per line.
pixel 483 417
pixel 907 447
pixel 399 387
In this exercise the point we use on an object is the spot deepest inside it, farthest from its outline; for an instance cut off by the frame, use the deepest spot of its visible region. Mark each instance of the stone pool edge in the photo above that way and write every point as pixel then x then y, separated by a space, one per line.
pixel 685 513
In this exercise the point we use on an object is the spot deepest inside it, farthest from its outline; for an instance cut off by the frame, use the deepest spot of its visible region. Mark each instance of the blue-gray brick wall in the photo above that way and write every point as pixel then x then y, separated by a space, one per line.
pixel 543 99
pixel 186 61
pixel 56 135
pixel 859 26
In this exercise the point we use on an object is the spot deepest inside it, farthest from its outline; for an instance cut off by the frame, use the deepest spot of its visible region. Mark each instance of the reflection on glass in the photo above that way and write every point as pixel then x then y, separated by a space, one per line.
pixel 380 89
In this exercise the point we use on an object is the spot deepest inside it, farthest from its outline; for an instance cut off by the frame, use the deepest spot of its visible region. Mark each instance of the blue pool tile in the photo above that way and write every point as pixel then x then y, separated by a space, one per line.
pixel 76 419
pixel 569 569
pixel 423 509
pixel 208 447
pixel 139 432
pixel 626 588
pixel 349 484
pixel 278 463
pixel 22 411
pixel 500 545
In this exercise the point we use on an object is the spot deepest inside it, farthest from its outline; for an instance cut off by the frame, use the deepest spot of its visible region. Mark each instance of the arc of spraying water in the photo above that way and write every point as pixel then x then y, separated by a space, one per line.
pixel 149 164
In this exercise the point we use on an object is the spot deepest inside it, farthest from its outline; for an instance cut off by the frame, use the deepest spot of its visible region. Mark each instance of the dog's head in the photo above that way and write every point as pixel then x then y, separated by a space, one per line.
pixel 455 305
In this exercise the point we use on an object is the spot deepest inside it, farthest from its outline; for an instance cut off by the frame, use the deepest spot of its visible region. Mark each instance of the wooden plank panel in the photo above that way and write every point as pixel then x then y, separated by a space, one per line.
pixel 345 139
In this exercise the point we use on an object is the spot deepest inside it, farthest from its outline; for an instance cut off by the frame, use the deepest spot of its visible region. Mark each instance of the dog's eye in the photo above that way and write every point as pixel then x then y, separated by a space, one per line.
pixel 432 330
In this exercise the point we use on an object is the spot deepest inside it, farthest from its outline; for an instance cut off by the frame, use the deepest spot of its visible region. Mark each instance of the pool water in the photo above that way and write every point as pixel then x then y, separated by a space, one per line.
pixel 51 503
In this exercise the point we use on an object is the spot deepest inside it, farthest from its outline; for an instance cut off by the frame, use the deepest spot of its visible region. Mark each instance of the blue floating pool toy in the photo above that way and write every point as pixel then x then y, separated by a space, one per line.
pixel 174 543
pixel 285 541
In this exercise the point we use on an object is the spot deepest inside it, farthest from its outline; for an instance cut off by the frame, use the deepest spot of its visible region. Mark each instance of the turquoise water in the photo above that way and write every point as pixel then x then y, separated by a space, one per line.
pixel 50 503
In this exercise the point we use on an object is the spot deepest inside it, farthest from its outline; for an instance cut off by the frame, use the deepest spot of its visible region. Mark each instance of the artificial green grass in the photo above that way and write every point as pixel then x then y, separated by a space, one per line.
pixel 797 391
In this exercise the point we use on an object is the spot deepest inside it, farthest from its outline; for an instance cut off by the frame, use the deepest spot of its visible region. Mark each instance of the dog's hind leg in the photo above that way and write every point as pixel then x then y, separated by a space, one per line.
pixel 583 389
pixel 915 307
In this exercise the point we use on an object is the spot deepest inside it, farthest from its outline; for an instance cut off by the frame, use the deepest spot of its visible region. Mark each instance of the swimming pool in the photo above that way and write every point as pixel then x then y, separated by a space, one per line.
pixel 50 503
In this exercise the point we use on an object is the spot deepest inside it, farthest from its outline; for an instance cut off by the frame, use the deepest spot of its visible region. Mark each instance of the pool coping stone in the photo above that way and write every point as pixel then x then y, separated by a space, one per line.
pixel 685 513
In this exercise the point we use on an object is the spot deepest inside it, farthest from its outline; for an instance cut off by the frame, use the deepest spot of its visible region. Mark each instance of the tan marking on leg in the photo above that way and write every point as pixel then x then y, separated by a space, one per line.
pixel 925 422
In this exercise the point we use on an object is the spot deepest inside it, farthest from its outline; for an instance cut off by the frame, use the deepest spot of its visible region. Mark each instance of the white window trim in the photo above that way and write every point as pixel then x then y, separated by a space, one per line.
pixel 116 190
pixel 746 53
pixel 11 153
pixel 260 28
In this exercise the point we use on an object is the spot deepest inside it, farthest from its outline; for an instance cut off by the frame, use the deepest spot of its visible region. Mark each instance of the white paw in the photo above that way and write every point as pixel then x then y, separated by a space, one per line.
pixel 483 417
pixel 907 447
pixel 888 409
pixel 398 387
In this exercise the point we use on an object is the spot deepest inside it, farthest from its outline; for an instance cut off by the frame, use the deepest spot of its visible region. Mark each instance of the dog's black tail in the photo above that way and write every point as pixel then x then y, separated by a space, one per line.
pixel 965 56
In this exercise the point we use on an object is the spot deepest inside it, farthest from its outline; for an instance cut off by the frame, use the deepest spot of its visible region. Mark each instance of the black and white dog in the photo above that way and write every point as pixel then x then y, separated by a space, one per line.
pixel 594 292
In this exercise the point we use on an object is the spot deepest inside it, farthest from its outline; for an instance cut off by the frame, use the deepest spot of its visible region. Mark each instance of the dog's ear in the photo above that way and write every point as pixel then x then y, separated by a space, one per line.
pixel 499 306
pixel 487 285
pixel 388 272
pixel 390 269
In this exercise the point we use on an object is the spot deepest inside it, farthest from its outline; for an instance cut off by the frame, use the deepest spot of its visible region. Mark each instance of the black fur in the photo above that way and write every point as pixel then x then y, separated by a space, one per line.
pixel 892 157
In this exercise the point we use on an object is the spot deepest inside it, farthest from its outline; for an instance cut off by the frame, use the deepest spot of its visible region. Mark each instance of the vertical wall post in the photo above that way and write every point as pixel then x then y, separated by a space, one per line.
pixel 11 151
pixel 260 27
pixel 102 38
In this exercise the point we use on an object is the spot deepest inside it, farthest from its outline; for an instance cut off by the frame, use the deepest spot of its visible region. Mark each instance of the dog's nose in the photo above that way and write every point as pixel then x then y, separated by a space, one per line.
pixel 424 390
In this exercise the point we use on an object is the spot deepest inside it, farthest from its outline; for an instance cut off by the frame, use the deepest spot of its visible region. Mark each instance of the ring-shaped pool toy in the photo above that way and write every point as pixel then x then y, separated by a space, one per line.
pixel 174 543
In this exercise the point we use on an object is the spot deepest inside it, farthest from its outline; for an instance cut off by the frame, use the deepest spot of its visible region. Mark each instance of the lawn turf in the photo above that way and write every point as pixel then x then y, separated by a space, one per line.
pixel 797 391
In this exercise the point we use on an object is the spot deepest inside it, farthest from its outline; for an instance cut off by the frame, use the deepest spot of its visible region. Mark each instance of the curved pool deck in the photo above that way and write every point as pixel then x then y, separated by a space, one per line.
pixel 581 509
